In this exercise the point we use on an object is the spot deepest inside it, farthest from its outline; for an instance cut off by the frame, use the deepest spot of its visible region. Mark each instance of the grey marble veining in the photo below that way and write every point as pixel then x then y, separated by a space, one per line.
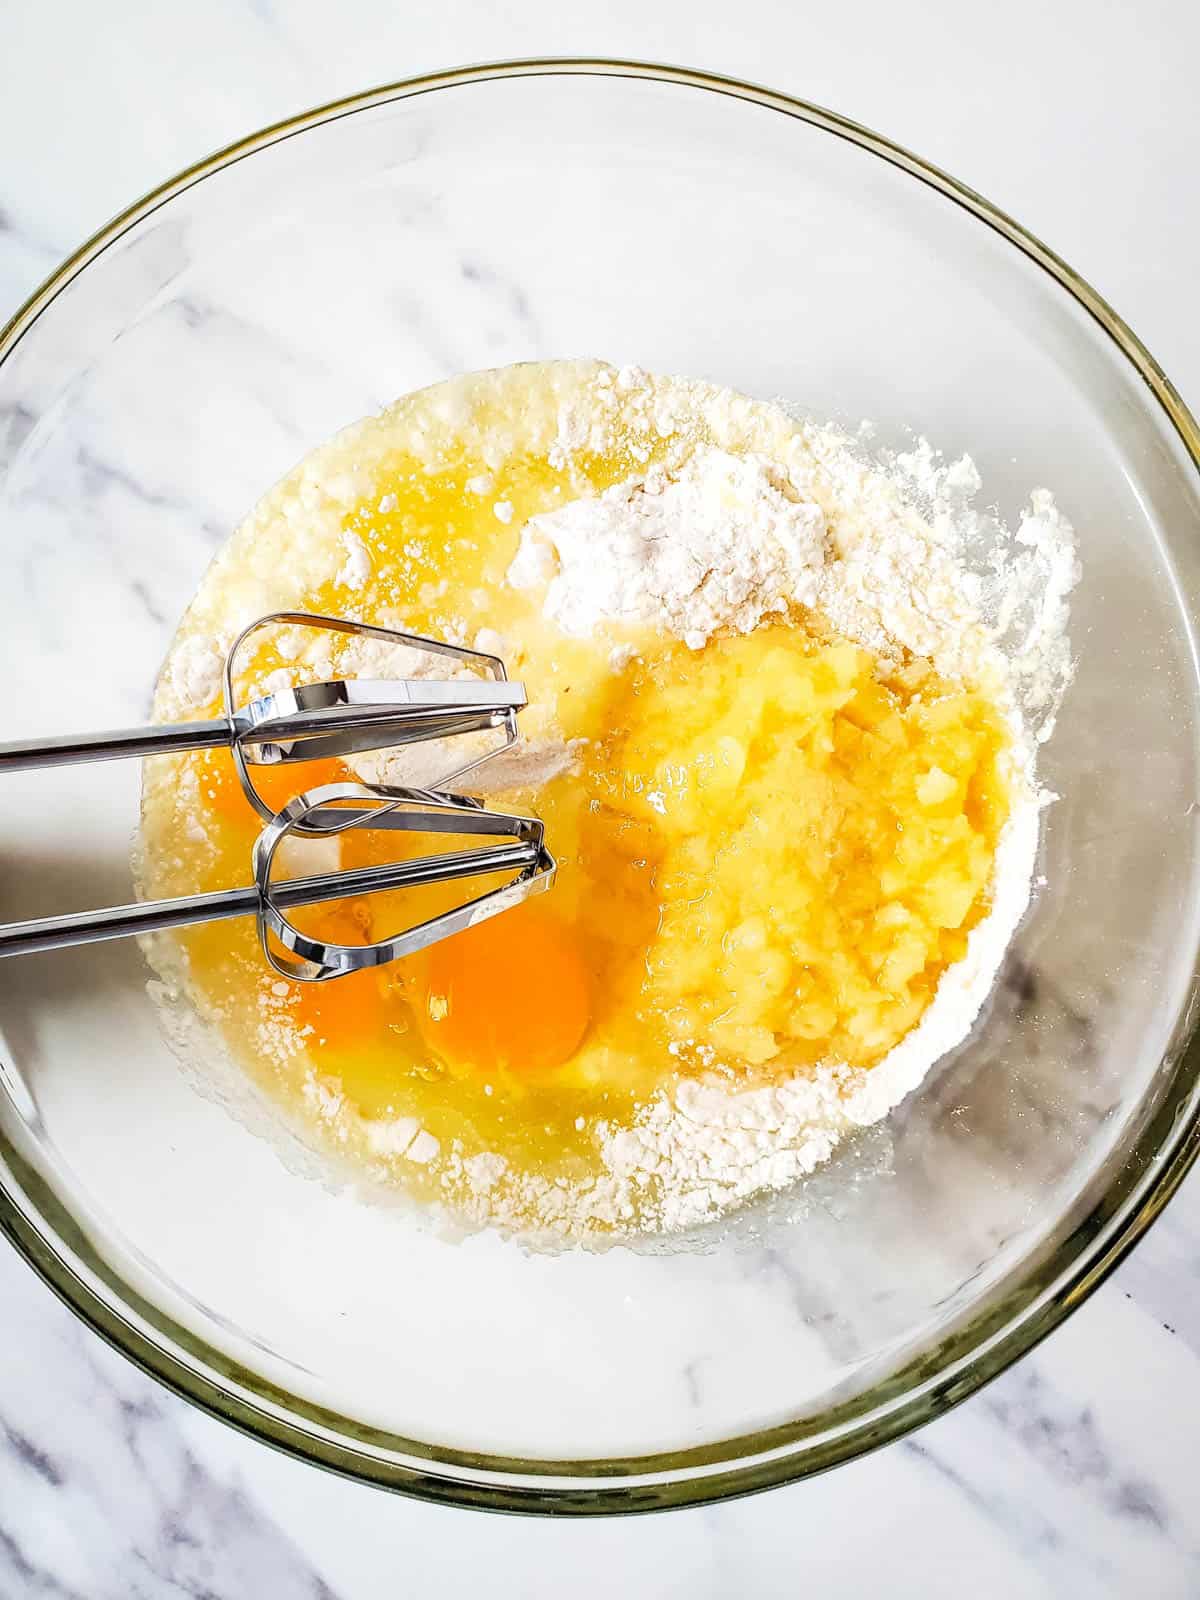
pixel 1070 1474
pixel 100 1493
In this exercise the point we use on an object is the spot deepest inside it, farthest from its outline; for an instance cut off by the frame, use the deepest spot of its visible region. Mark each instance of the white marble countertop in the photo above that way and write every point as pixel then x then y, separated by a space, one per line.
pixel 1071 1475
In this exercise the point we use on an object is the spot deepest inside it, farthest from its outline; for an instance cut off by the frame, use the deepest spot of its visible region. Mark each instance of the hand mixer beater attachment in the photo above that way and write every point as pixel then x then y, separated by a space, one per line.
pixel 341 716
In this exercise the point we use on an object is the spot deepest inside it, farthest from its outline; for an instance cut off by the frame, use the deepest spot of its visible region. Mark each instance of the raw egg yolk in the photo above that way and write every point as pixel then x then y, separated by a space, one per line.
pixel 510 992
pixel 277 785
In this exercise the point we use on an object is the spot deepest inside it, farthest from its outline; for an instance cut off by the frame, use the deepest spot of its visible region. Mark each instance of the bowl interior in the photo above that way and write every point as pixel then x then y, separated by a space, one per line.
pixel 242 320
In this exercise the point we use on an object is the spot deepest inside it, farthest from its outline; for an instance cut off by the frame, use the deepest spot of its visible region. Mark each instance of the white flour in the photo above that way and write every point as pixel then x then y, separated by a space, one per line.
pixel 720 541
pixel 723 544
pixel 747 514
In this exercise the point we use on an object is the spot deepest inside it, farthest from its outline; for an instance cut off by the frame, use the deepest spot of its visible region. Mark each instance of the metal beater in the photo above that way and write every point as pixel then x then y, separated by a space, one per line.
pixel 343 716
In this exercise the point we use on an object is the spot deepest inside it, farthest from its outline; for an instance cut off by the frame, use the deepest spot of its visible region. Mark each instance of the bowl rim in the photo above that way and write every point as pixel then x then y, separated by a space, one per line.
pixel 42 1230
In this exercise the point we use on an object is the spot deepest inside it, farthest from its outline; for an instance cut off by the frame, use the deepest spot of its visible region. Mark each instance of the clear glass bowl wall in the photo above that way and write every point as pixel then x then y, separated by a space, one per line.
pixel 195 351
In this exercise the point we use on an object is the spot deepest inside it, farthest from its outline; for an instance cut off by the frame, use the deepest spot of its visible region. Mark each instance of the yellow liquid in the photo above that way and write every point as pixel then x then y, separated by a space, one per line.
pixel 769 853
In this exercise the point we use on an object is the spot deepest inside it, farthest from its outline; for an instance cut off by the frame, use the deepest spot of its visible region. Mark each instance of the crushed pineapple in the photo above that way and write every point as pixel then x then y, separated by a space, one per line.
pixel 809 847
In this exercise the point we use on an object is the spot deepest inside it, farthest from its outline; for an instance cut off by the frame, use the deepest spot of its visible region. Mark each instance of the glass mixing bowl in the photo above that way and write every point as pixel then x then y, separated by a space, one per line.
pixel 203 342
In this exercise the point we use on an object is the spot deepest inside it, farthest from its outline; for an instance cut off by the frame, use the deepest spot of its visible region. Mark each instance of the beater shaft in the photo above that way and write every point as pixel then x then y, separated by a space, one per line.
pixel 317 720
pixel 155 916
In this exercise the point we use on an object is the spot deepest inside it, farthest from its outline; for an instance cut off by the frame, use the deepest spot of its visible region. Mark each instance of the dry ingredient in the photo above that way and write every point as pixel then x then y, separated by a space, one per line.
pixel 723 543
pixel 728 515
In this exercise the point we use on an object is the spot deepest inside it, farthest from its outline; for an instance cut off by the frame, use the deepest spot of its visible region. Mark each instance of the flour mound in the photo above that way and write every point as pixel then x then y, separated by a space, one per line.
pixel 892 555
pixel 735 512
pixel 723 544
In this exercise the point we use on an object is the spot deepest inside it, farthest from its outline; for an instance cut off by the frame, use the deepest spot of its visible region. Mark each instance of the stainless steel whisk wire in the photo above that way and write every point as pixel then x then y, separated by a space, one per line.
pixel 342 716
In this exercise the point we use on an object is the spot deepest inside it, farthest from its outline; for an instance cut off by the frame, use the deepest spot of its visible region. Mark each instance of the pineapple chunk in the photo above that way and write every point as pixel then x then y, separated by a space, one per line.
pixel 820 842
